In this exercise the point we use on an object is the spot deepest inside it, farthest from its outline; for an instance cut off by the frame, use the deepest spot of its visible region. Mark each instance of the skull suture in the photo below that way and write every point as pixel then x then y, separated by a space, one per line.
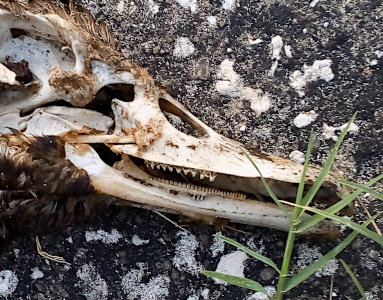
pixel 49 52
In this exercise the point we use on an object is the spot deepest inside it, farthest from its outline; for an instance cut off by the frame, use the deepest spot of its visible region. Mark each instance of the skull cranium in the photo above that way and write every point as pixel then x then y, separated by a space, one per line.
pixel 195 173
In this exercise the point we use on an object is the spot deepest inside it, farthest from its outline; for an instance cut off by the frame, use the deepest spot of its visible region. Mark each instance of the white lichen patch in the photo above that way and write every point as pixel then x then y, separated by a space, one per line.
pixel 297 157
pixel 93 286
pixel 137 241
pixel 259 101
pixel 307 256
pixel 288 51
pixel 183 47
pixel 276 49
pixel 153 7
pixel 232 86
pixel 184 258
pixel 105 237
pixel 212 20
pixel 36 273
pixel 156 288
pixel 252 41
pixel 217 247
pixel 228 4
pixel 232 264
pixel 226 71
pixel 121 6
pixel 319 70
pixel 189 4
pixel 270 290
pixel 205 294
pixel 379 54
pixel 8 283
pixel 313 3
pixel 329 132
pixel 304 119
pixel 228 88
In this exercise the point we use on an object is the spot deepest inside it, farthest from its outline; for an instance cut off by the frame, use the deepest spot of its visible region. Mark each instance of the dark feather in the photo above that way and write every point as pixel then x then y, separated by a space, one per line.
pixel 38 186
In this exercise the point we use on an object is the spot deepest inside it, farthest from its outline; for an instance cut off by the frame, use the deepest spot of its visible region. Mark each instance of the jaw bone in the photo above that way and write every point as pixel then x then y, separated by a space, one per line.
pixel 198 174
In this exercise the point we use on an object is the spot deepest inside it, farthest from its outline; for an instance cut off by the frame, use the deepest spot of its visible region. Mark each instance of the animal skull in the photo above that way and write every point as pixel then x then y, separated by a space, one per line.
pixel 49 53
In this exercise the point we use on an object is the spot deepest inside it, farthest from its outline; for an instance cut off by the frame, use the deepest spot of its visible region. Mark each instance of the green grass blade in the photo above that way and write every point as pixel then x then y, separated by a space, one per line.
pixel 239 281
pixel 363 187
pixel 272 195
pixel 355 226
pixel 307 272
pixel 354 279
pixel 252 253
pixel 327 166
pixel 299 211
pixel 337 206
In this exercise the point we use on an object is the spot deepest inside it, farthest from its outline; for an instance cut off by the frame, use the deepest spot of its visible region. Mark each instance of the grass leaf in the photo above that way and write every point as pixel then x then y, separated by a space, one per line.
pixel 298 212
pixel 311 269
pixel 252 253
pixel 272 195
pixel 363 187
pixel 327 166
pixel 354 279
pixel 337 206
pixel 355 226
pixel 239 281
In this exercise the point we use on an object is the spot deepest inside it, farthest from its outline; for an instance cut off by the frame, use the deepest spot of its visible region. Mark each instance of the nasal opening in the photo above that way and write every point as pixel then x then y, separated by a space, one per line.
pixel 180 120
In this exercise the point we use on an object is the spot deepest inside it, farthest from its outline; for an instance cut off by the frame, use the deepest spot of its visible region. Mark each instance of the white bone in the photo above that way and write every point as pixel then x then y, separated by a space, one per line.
pixel 144 191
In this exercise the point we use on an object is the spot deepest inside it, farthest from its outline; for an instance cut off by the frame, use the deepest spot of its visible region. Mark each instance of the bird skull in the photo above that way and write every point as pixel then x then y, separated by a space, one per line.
pixel 170 160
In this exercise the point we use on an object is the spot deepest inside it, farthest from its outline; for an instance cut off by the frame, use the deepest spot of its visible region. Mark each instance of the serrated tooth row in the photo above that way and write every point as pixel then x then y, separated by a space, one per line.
pixel 186 171
pixel 196 188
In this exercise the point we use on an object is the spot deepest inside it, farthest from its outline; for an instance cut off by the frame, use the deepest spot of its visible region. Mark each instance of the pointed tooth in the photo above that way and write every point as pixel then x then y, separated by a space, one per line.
pixel 178 170
pixel 186 171
pixel 170 168
pixel 193 173
pixel 152 165
pixel 212 176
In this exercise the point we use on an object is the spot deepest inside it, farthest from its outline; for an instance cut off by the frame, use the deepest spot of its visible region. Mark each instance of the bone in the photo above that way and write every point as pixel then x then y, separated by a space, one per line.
pixel 94 139
pixel 7 76
pixel 114 182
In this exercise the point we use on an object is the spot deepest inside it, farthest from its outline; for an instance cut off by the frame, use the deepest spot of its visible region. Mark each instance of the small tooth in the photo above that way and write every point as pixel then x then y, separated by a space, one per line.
pixel 170 168
pixel 178 170
pixel 193 173
pixel 202 175
pixel 158 166
pixel 186 171
pixel 152 165
pixel 212 176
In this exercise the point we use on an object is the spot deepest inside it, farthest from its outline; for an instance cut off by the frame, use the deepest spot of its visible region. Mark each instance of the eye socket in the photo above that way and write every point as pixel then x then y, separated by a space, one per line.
pixel 104 97
pixel 180 120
